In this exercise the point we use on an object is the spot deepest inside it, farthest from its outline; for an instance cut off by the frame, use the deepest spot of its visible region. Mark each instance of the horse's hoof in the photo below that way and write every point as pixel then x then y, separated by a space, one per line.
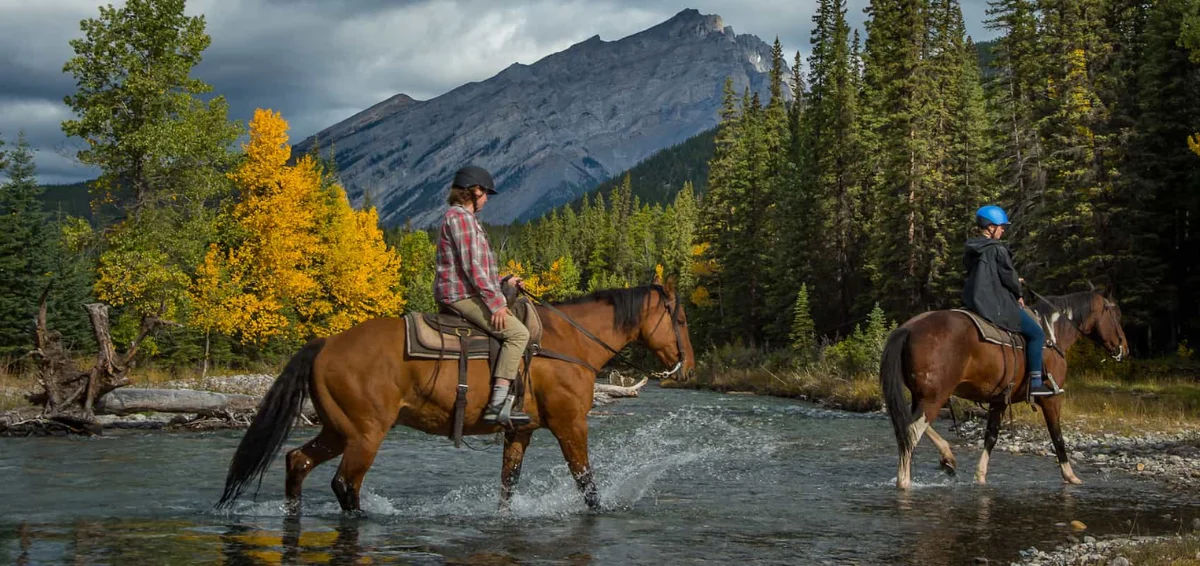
pixel 1073 481
pixel 950 467
pixel 291 507
pixel 980 480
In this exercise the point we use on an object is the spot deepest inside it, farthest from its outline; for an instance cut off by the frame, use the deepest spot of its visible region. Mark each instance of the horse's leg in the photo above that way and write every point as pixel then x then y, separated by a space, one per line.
pixel 915 431
pixel 949 463
pixel 995 415
pixel 360 453
pixel 1052 410
pixel 510 471
pixel 300 461
pixel 573 439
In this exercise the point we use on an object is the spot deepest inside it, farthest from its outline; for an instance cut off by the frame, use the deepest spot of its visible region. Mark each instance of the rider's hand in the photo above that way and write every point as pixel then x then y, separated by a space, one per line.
pixel 498 318
pixel 520 283
pixel 1021 301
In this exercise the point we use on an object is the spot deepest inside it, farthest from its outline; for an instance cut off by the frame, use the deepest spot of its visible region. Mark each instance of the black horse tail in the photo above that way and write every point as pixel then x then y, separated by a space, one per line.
pixel 892 369
pixel 276 414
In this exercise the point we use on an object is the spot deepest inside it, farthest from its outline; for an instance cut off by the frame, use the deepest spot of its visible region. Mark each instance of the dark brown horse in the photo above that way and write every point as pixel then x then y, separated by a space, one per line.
pixel 362 385
pixel 939 354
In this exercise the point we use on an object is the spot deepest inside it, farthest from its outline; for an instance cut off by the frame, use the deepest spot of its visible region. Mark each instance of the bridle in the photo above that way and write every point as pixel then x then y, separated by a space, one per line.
pixel 1119 355
pixel 669 308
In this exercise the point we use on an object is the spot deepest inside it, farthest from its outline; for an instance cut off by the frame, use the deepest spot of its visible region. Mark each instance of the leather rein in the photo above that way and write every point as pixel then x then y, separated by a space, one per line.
pixel 669 308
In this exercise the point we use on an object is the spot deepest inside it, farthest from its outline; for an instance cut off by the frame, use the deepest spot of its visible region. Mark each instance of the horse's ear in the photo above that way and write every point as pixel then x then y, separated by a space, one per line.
pixel 1091 286
pixel 671 284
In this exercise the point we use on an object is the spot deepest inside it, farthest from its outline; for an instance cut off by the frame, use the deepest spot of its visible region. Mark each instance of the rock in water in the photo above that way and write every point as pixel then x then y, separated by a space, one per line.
pixel 1078 525
pixel 550 130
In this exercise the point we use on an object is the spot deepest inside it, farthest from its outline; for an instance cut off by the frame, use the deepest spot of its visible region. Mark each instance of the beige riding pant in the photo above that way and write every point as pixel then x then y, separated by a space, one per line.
pixel 513 338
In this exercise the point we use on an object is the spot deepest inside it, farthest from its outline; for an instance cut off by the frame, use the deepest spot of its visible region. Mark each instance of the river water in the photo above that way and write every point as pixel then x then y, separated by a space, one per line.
pixel 685 477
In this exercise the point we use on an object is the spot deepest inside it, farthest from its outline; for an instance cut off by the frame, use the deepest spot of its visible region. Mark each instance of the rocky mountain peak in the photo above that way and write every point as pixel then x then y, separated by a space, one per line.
pixel 549 130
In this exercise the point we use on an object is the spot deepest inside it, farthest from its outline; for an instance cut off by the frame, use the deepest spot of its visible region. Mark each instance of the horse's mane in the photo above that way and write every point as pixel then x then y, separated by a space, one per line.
pixel 1077 304
pixel 627 303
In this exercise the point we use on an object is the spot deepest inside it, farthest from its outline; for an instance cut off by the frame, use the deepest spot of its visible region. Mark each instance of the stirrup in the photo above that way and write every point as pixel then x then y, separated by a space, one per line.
pixel 1053 384
pixel 504 415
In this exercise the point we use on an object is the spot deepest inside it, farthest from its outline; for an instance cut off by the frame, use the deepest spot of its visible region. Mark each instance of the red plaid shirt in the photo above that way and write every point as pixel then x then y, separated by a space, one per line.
pixel 465 264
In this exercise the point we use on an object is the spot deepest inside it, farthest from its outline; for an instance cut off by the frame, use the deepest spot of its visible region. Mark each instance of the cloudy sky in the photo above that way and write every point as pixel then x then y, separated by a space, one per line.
pixel 320 61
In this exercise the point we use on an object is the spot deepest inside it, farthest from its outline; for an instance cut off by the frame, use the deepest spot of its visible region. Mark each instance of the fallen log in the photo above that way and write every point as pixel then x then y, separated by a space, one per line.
pixel 127 401
pixel 622 390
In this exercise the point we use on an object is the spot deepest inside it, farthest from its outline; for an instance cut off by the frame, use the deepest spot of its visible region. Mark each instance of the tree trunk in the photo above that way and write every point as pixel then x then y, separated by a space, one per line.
pixel 69 393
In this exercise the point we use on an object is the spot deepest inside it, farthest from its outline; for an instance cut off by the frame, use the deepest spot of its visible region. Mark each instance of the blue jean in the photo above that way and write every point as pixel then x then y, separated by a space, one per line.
pixel 1035 339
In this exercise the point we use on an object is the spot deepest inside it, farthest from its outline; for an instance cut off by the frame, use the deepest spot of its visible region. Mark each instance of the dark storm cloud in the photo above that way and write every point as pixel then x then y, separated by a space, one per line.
pixel 320 61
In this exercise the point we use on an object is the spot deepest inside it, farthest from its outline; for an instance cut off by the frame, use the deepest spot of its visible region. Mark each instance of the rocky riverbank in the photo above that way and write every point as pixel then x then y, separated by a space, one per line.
pixel 1171 457
pixel 1120 551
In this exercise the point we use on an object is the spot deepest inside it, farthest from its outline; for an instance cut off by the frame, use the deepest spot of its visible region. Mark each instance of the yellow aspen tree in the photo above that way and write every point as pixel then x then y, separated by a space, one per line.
pixel 301 262
pixel 1194 143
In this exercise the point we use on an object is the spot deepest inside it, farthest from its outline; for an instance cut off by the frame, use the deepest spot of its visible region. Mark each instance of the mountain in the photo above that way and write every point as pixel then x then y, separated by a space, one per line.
pixel 660 177
pixel 547 131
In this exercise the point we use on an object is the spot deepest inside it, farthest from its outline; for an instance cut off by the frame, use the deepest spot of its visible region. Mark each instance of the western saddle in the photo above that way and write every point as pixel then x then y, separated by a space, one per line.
pixel 989 332
pixel 447 335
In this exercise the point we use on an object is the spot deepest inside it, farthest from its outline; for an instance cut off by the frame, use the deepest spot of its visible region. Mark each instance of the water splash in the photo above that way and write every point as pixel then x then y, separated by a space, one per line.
pixel 627 466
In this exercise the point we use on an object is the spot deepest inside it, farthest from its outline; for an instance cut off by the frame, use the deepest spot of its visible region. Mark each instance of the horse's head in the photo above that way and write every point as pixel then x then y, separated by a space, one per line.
pixel 664 330
pixel 1104 326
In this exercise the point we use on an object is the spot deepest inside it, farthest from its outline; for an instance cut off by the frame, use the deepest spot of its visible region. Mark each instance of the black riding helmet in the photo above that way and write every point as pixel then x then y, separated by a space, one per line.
pixel 472 176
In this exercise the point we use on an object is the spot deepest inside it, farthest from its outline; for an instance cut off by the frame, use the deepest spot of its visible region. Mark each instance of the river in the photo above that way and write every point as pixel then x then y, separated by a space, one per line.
pixel 685 477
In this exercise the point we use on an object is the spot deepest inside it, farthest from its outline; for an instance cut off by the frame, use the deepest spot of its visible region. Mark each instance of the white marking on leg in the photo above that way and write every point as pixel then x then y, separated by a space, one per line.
pixel 981 471
pixel 904 473
pixel 1068 474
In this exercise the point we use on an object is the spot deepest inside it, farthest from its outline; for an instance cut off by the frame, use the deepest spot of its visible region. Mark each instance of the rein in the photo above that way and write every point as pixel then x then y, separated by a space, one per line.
pixel 1078 328
pixel 587 333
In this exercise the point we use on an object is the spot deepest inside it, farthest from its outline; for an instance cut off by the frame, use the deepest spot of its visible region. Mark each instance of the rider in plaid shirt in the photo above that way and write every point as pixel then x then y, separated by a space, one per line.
pixel 467 281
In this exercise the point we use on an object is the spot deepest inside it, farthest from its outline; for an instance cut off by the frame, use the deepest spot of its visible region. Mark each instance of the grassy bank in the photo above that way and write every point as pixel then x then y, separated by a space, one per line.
pixel 1180 551
pixel 1139 396
pixel 734 369
pixel 1096 402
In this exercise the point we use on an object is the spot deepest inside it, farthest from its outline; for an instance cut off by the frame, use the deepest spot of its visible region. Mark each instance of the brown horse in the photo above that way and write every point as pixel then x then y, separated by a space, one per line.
pixel 939 353
pixel 362 385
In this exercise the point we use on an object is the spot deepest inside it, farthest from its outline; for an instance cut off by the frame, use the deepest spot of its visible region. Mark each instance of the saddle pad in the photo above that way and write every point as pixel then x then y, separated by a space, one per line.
pixel 425 341
pixel 989 332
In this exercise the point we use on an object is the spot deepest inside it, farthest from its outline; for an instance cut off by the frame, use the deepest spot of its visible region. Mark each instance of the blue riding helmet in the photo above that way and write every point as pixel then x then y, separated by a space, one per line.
pixel 993 215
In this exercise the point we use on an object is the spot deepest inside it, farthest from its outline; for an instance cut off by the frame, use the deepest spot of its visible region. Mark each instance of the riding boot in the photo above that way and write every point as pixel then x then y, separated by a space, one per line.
pixel 1039 388
pixel 499 410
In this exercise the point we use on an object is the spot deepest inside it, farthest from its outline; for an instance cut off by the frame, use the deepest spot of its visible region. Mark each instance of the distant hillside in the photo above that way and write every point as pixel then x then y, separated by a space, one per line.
pixel 72 200
pixel 659 177
pixel 987 54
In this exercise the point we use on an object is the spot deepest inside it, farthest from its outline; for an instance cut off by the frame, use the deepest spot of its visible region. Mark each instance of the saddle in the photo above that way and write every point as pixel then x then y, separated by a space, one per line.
pixel 989 332
pixel 441 335
pixel 447 335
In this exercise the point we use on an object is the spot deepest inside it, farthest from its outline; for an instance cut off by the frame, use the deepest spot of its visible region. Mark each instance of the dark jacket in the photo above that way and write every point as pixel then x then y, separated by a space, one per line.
pixel 992 287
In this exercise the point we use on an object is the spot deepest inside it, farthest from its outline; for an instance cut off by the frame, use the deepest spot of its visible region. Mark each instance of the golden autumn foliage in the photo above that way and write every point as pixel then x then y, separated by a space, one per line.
pixel 560 281
pixel 1194 143
pixel 301 262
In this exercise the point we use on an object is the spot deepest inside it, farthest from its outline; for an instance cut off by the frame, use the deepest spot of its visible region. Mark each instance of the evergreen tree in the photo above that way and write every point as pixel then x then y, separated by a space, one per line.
pixel 1151 224
pixel 1061 242
pixel 803 334
pixel 833 173
pixel 899 113
pixel 1015 92
pixel 24 254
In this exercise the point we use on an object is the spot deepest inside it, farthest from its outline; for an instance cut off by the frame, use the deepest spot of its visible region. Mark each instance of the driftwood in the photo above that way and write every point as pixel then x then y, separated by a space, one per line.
pixel 605 393
pixel 69 393
pixel 621 390
pixel 128 400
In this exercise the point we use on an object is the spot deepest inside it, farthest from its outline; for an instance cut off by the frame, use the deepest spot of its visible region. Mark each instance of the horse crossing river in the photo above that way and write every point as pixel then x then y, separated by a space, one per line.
pixel 684 477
